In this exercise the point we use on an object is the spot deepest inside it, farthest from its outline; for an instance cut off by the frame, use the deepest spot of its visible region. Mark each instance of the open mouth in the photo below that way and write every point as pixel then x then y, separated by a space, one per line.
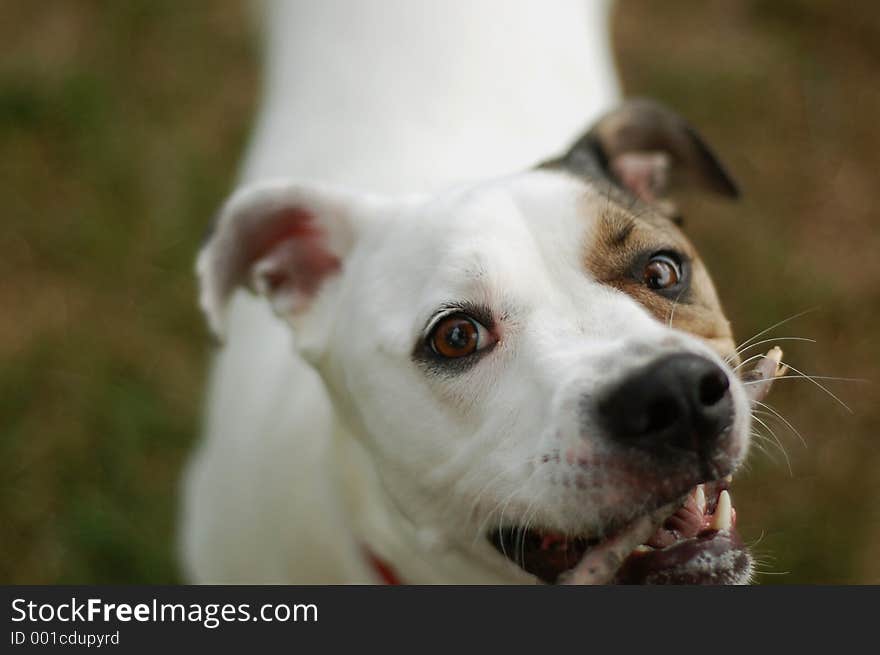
pixel 692 542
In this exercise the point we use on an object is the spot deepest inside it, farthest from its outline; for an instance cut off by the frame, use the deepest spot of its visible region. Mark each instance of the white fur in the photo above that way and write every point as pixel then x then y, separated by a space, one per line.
pixel 392 96
pixel 304 465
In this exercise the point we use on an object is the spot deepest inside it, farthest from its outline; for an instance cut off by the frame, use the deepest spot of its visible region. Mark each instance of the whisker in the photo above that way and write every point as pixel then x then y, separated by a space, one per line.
pixel 500 474
pixel 777 442
pixel 776 439
pixel 760 572
pixel 743 348
pixel 530 514
pixel 504 471
pixel 746 361
pixel 774 326
pixel 757 541
pixel 758 441
pixel 674 304
pixel 813 378
pixel 783 419
pixel 503 505
pixel 810 377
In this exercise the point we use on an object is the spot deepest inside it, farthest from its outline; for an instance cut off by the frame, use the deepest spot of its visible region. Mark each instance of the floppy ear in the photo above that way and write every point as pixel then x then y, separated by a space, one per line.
pixel 644 147
pixel 278 239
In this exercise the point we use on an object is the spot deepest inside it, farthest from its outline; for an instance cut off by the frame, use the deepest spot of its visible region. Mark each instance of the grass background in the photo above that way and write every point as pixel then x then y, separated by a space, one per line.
pixel 121 126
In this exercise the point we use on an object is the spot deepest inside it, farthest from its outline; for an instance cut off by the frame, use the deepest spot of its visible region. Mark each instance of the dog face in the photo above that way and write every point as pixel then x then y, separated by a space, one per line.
pixel 535 363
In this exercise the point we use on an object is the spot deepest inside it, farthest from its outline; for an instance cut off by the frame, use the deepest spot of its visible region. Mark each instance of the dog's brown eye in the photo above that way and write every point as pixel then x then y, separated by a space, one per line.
pixel 457 336
pixel 662 272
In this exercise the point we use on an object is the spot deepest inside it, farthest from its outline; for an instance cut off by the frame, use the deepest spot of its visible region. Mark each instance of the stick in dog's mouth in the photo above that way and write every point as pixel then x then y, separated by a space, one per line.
pixel 692 541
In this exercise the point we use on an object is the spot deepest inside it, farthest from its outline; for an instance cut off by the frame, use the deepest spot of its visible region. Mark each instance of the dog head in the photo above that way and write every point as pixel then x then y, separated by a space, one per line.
pixel 535 363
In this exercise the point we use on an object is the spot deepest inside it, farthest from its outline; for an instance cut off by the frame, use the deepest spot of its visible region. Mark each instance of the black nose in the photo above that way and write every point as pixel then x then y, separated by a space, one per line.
pixel 679 401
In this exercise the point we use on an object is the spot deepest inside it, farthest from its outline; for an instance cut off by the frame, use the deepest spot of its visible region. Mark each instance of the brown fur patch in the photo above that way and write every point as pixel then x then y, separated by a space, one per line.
pixel 621 237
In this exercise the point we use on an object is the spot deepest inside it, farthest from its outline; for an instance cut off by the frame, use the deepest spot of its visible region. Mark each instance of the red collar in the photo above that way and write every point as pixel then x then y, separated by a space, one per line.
pixel 382 569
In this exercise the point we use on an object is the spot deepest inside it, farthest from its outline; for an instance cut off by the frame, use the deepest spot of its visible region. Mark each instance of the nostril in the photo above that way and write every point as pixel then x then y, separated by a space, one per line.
pixel 679 402
pixel 713 387
pixel 661 414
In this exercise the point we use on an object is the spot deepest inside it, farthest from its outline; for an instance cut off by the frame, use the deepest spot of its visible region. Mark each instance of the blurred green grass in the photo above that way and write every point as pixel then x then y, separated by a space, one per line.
pixel 121 126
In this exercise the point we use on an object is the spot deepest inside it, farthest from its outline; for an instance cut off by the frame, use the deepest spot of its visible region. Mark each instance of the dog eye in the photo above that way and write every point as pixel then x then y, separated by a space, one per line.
pixel 458 335
pixel 662 271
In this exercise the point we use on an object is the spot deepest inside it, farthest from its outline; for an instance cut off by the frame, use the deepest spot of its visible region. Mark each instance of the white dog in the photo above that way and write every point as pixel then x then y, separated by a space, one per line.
pixel 510 374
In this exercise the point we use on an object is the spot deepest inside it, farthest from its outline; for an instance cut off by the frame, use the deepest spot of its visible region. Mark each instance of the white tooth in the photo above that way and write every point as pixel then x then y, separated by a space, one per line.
pixel 642 548
pixel 700 498
pixel 728 479
pixel 723 512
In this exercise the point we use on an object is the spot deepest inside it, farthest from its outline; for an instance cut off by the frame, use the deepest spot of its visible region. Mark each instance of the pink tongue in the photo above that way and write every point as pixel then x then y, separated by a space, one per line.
pixel 550 540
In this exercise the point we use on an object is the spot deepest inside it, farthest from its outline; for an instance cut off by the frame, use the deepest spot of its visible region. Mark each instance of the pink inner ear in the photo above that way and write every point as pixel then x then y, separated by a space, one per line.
pixel 292 254
pixel 646 174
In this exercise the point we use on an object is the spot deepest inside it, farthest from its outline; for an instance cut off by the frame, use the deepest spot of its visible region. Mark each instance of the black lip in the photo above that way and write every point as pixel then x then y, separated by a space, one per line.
pixel 709 558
